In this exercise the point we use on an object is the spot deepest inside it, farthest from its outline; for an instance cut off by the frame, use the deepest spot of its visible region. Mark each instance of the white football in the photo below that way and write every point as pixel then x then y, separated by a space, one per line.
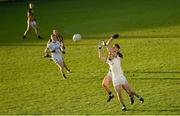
pixel 76 37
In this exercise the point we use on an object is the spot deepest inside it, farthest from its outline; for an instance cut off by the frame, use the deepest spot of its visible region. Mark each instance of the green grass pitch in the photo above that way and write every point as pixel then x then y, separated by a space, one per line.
pixel 150 42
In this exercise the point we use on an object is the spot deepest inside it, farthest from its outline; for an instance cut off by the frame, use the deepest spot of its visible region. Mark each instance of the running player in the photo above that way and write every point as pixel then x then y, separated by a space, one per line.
pixel 60 39
pixel 31 22
pixel 54 46
pixel 116 75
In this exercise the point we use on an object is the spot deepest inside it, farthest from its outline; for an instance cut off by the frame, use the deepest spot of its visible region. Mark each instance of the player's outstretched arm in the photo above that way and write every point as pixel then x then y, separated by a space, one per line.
pixel 101 55
pixel 109 42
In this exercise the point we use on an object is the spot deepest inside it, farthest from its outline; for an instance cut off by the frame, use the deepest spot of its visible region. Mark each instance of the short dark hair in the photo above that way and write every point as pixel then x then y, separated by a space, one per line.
pixel 117 45
pixel 120 55
pixel 30 10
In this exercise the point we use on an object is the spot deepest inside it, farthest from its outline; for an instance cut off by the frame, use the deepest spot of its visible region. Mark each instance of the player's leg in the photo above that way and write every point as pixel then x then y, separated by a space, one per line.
pixel 27 30
pixel 127 89
pixel 105 83
pixel 65 66
pixel 119 94
pixel 61 67
pixel 37 32
pixel 132 93
pixel 36 29
pixel 107 79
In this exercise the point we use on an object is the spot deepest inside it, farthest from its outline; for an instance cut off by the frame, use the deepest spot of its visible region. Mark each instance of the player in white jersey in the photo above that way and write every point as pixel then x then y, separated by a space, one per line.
pixel 108 78
pixel 31 22
pixel 60 39
pixel 54 47
pixel 116 75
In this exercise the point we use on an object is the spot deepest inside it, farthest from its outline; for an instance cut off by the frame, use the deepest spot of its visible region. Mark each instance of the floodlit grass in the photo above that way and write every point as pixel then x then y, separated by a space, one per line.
pixel 31 84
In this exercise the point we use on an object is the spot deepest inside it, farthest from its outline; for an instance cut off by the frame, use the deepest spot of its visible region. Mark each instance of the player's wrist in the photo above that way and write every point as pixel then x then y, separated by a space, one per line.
pixel 100 46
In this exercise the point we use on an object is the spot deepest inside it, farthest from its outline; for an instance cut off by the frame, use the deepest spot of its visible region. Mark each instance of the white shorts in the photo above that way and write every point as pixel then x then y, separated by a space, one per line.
pixel 57 58
pixel 119 79
pixel 32 24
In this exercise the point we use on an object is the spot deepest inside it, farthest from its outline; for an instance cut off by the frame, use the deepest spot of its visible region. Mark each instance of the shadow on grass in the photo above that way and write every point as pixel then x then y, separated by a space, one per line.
pixel 98 38
pixel 154 78
pixel 175 79
pixel 136 36
pixel 154 110
pixel 154 72
pixel 153 36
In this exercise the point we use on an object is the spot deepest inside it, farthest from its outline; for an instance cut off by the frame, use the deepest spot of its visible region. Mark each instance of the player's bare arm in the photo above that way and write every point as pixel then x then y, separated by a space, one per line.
pixel 101 55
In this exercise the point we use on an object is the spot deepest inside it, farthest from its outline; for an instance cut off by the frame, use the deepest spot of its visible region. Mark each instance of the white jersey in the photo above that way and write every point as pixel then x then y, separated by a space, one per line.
pixel 115 66
pixel 116 70
pixel 55 49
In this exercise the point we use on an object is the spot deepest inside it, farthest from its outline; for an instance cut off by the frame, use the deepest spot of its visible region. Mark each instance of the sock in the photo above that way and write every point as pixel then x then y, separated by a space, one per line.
pixel 123 105
pixel 140 98
pixel 110 93
pixel 131 96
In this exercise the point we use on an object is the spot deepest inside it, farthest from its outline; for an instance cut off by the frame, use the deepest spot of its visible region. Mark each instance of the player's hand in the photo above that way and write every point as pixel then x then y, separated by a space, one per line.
pixel 99 46
pixel 63 52
pixel 115 36
pixel 53 51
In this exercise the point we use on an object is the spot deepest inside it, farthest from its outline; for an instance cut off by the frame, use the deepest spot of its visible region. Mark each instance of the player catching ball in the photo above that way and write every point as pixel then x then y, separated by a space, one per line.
pixel 54 47
pixel 116 74
pixel 31 22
